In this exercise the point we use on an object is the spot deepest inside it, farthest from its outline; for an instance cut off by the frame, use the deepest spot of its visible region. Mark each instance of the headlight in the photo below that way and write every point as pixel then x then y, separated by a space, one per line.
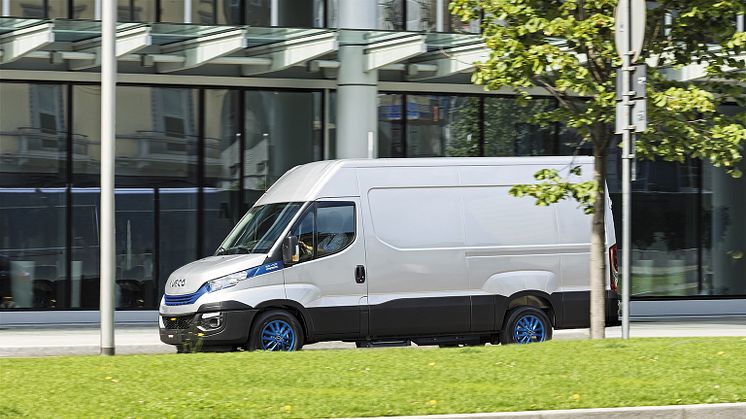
pixel 226 281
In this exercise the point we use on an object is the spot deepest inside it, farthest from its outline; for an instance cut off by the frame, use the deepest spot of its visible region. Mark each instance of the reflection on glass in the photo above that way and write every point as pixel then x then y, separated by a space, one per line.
pixel 288 13
pixel 442 126
pixel 156 135
pixel 390 143
pixel 32 134
pixel 391 14
pixel 509 131
pixel 725 249
pixel 32 196
pixel 222 165
pixel 135 252
pixel 42 9
pixel 127 10
pixel 665 242
pixel 173 11
pixel 32 248
pixel 282 131
pixel 177 231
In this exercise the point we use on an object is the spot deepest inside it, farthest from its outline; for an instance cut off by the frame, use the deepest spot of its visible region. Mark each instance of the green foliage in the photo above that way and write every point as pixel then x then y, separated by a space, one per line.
pixel 567 48
pixel 381 382
pixel 551 189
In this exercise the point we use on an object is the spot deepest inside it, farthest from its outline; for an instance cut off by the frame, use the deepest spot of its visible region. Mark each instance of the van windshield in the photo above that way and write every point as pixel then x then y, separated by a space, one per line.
pixel 259 229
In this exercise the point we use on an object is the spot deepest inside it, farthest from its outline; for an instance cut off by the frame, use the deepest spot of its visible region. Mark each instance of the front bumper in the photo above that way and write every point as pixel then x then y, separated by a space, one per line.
pixel 183 330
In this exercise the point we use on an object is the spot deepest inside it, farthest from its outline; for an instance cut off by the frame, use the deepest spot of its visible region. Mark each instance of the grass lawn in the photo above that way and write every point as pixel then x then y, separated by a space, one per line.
pixel 334 383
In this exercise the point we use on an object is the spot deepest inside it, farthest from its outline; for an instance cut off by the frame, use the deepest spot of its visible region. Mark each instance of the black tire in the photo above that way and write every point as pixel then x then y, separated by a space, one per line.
pixel 276 317
pixel 526 315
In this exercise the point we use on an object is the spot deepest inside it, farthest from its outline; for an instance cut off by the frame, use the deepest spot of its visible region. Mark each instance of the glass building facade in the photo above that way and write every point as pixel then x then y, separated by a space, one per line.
pixel 409 15
pixel 193 155
pixel 189 163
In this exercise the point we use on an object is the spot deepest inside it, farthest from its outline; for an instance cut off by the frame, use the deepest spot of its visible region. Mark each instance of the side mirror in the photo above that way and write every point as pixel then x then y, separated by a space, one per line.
pixel 290 250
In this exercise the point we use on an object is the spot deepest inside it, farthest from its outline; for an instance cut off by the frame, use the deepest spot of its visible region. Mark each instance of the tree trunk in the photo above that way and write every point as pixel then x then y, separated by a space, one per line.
pixel 598 248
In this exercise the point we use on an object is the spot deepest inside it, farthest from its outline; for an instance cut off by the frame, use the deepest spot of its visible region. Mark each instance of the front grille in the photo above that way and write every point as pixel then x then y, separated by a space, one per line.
pixel 180 300
pixel 178 322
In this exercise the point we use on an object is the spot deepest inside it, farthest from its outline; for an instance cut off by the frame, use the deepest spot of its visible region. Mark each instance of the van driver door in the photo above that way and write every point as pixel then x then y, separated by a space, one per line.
pixel 329 279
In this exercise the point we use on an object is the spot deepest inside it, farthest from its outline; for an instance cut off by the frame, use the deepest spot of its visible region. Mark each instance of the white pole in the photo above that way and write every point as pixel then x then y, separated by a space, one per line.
pixel 6 7
pixel 187 11
pixel 627 156
pixel 440 16
pixel 97 10
pixel 274 11
pixel 108 129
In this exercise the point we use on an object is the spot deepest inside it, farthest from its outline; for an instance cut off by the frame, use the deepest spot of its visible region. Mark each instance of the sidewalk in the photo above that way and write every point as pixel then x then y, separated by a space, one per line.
pixel 23 342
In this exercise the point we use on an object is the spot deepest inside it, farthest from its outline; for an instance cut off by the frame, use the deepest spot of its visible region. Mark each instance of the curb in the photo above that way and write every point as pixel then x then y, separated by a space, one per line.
pixel 691 411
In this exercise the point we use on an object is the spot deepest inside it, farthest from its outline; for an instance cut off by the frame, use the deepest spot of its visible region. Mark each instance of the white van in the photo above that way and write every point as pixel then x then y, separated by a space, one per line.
pixel 430 250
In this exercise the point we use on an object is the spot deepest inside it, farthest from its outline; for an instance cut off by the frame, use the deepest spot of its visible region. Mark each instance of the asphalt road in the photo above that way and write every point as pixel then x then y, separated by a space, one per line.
pixel 27 342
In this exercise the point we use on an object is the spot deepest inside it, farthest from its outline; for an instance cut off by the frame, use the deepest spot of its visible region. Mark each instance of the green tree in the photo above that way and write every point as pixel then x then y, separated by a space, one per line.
pixel 566 47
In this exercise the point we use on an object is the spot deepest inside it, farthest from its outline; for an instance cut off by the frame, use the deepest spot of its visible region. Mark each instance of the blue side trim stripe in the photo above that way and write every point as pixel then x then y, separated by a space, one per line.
pixel 265 269
pixel 180 300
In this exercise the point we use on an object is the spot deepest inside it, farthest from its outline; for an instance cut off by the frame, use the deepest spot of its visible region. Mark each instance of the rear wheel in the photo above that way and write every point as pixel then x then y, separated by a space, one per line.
pixel 526 324
pixel 276 330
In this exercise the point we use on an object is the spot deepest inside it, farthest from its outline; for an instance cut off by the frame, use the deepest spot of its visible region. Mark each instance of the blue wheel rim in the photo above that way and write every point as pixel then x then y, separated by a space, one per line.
pixel 278 335
pixel 529 328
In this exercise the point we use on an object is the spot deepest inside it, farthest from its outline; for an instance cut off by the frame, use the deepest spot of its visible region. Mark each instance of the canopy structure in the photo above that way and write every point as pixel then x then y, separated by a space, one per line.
pixel 161 48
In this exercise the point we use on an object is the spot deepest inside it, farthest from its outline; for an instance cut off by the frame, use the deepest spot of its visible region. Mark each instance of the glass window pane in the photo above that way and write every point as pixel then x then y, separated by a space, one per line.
pixel 156 143
pixel 289 13
pixel 43 9
pixel 177 220
pixel 724 252
pixel 32 248
pixel 442 126
pixel 335 227
pixel 172 11
pixel 665 236
pixel 282 131
pixel 135 251
pixel 509 131
pixel 390 143
pixel 127 10
pixel 304 230
pixel 33 203
pixel 391 14
pixel 222 165
pixel 33 134
pixel 422 15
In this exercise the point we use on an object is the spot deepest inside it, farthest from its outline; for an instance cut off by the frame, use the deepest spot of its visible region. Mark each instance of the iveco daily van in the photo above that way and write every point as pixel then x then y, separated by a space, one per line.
pixel 430 250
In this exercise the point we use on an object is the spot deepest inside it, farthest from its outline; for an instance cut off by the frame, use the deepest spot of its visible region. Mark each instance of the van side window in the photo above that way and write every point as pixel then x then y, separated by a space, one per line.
pixel 304 230
pixel 335 227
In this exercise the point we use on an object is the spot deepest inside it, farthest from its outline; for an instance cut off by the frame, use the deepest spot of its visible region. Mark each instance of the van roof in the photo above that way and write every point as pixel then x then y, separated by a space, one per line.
pixel 457 161
pixel 308 181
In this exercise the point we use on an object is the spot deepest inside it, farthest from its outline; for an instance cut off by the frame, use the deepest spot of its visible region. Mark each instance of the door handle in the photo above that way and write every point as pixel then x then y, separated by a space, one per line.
pixel 360 274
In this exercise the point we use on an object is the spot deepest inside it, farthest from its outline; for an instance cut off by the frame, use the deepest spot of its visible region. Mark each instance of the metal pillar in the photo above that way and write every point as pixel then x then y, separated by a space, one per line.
pixel 627 157
pixel 357 89
pixel 108 129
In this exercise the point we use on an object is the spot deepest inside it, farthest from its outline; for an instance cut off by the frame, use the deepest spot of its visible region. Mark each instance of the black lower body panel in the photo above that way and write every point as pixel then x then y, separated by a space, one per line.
pixel 572 309
pixel 183 329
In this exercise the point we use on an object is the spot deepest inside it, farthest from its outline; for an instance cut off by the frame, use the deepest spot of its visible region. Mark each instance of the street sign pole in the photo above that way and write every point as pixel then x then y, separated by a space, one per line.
pixel 631 117
pixel 627 157
pixel 108 103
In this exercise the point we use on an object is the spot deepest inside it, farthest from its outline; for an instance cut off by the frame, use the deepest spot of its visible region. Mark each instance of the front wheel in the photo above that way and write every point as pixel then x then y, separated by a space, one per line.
pixel 526 324
pixel 276 330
